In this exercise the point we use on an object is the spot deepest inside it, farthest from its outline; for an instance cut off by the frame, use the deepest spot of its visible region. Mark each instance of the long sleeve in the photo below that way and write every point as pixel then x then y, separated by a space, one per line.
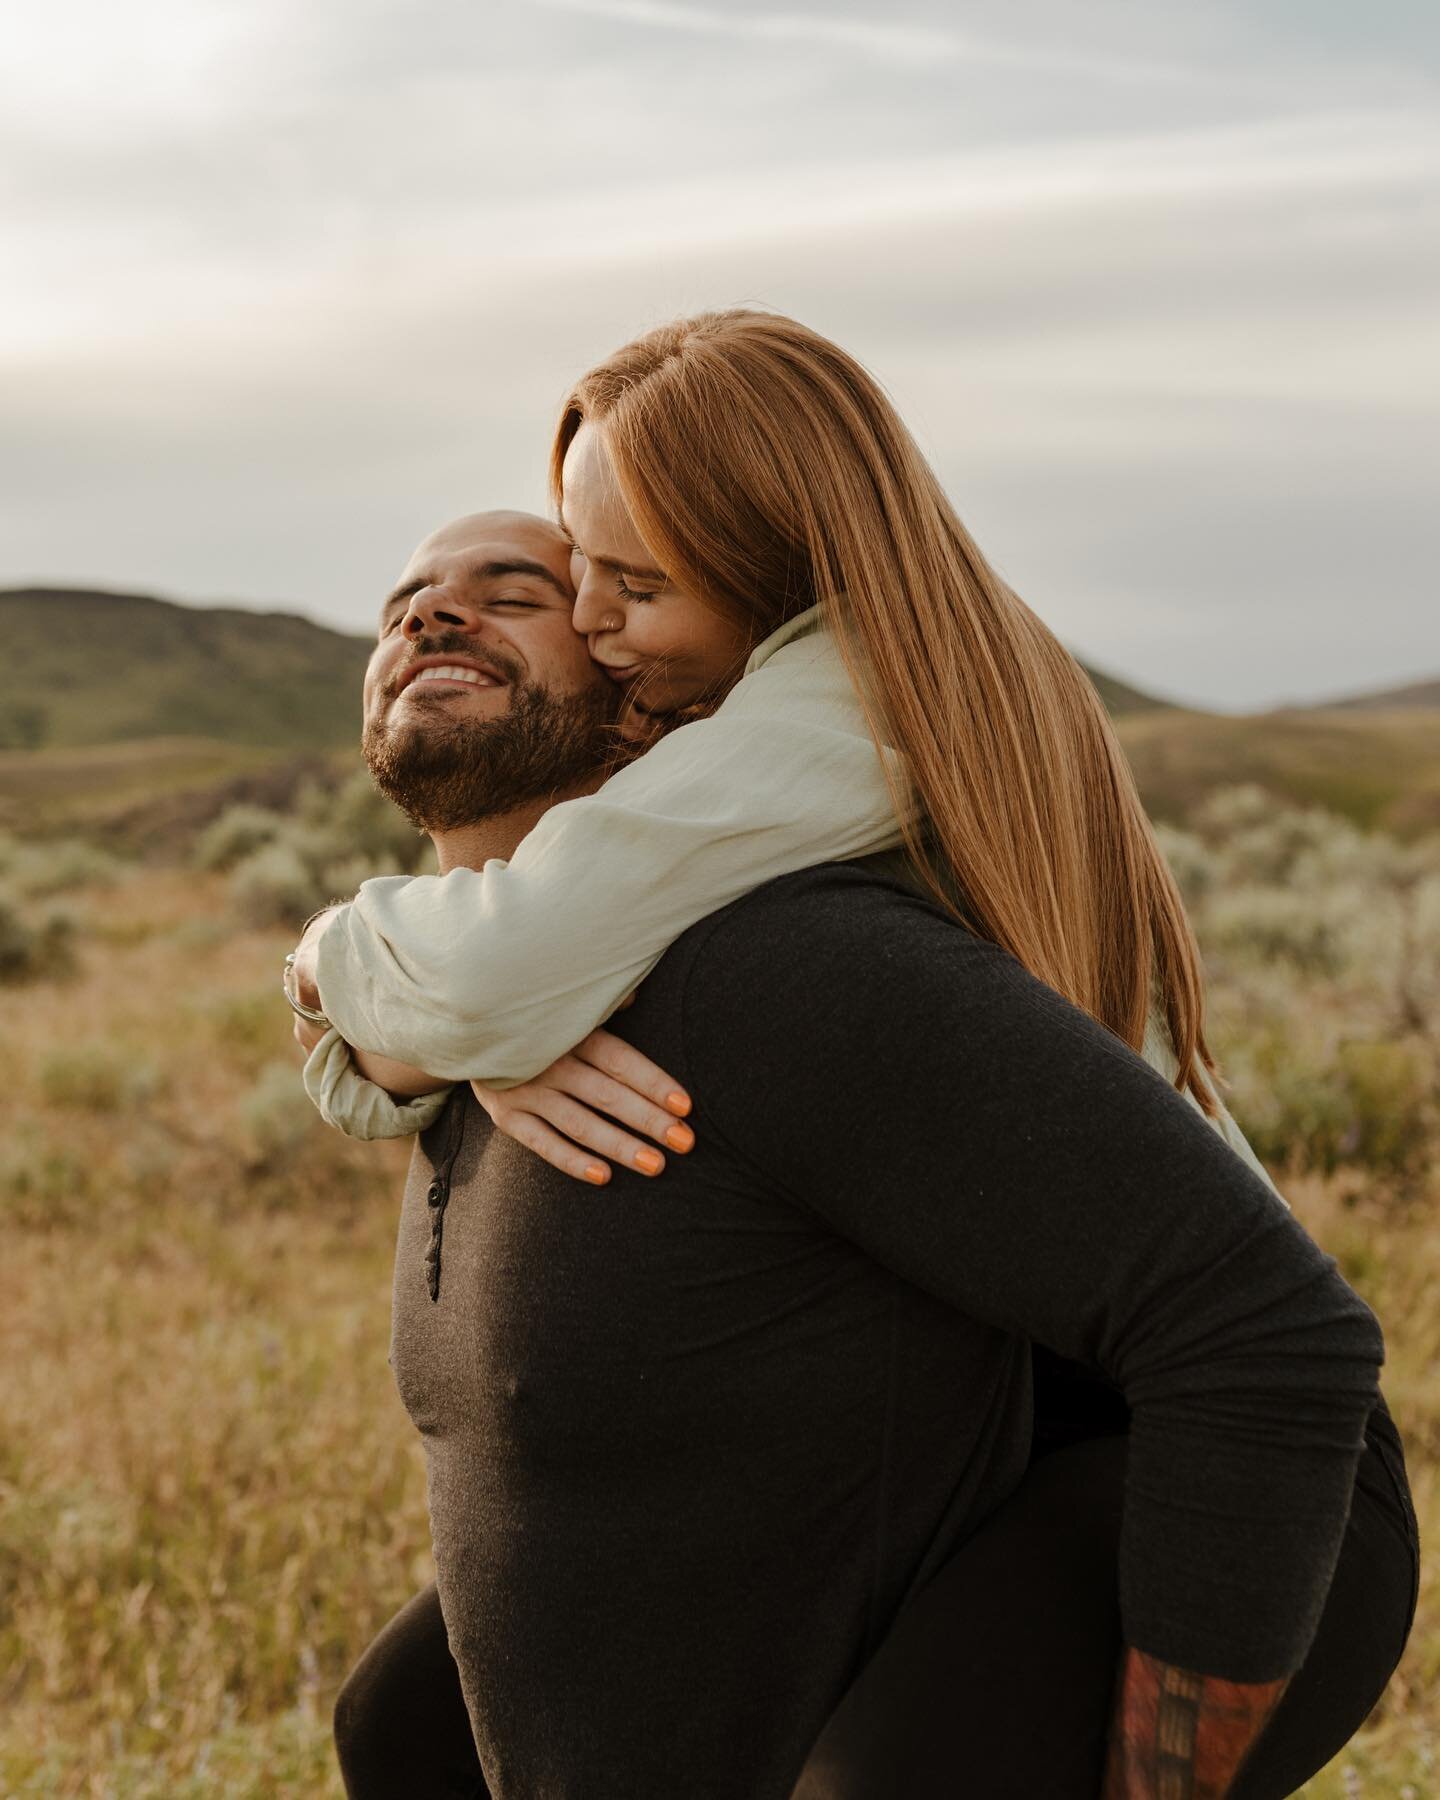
pixel 360 1108
pixel 990 1143
pixel 493 973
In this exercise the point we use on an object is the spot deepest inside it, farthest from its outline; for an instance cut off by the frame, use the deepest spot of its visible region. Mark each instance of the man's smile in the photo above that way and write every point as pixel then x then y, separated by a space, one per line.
pixel 452 670
pixel 453 673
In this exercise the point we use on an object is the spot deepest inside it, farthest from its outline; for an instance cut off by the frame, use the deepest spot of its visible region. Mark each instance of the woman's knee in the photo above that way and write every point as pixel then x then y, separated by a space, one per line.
pixel 401 1707
pixel 362 1721
pixel 352 1719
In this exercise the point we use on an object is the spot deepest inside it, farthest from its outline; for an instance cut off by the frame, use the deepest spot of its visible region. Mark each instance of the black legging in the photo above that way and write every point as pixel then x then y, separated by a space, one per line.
pixel 995 1680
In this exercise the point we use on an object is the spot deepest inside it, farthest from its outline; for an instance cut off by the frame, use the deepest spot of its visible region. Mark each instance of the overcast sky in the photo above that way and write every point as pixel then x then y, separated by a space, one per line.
pixel 1155 283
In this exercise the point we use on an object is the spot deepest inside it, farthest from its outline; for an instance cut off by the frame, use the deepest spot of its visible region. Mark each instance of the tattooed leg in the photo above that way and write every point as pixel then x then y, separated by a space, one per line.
pixel 1176 1735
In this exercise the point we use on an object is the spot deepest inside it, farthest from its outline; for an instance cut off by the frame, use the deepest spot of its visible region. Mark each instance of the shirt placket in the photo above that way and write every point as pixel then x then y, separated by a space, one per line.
pixel 437 1198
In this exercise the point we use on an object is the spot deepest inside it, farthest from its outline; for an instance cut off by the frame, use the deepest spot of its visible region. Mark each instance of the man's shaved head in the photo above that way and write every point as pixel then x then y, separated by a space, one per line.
pixel 481 696
pixel 499 522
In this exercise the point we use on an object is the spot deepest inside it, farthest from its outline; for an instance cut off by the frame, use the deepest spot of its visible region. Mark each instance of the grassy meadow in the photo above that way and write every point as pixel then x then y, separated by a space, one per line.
pixel 210 1497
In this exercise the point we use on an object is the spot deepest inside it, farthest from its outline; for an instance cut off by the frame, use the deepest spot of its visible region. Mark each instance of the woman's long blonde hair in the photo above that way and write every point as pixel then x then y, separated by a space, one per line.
pixel 768 472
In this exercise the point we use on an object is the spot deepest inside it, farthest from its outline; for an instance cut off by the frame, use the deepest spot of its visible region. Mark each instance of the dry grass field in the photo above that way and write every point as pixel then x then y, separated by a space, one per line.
pixel 209 1494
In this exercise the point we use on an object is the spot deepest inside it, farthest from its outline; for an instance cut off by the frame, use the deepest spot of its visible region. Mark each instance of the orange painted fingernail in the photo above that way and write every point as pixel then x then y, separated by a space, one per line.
pixel 598 1173
pixel 650 1162
pixel 678 1103
pixel 680 1137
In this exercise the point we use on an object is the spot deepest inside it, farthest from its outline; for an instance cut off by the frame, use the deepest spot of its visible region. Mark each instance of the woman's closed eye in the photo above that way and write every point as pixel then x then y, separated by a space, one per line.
pixel 629 593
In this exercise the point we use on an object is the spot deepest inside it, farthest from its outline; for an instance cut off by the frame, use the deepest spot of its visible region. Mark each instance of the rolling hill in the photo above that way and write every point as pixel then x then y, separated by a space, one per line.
pixel 1379 768
pixel 138 719
pixel 90 668
pixel 85 668
pixel 1121 699
pixel 1416 696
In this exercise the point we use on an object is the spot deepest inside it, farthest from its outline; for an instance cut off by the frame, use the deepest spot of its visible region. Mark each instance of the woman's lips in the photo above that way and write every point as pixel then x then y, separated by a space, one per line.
pixel 625 673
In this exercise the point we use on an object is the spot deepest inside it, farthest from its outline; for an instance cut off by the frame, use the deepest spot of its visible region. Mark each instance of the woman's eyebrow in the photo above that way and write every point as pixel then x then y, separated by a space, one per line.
pixel 614 563
pixel 616 567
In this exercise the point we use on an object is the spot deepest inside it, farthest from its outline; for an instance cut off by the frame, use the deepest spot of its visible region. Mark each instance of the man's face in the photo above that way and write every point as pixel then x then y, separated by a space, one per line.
pixel 480 695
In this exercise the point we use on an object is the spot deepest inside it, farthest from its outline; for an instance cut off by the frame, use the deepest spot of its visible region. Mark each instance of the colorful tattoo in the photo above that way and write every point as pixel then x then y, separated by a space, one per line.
pixel 1177 1735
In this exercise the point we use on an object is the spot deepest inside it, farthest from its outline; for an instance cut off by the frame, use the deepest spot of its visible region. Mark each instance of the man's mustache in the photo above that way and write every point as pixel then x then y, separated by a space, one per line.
pixel 459 645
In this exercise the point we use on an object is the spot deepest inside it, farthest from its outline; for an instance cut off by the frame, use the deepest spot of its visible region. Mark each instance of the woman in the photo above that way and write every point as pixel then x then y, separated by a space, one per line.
pixel 755 471
pixel 971 738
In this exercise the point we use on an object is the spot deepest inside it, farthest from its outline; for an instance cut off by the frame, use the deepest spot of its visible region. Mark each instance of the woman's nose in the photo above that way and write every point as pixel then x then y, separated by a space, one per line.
pixel 435 608
pixel 595 611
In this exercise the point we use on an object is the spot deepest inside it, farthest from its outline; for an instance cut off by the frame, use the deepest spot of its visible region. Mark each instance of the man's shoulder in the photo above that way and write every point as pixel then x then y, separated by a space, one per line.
pixel 822 916
pixel 842 892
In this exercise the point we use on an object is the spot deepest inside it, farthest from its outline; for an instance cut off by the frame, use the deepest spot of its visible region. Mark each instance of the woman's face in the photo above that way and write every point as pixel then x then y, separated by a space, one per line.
pixel 665 646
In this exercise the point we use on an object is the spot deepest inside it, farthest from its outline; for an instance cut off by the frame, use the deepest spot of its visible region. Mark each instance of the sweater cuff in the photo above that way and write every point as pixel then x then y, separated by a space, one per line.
pixel 1207 1581
pixel 359 1108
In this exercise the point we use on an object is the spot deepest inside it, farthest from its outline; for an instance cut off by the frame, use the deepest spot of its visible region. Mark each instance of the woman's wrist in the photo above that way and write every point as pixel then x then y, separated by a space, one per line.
pixel 299 979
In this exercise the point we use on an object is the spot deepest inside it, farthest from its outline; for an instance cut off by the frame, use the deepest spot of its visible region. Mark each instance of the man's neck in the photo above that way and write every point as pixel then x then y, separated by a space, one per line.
pixel 471 846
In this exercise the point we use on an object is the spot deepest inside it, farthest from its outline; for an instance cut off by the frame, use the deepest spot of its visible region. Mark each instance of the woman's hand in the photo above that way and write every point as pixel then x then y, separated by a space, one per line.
pixel 306 956
pixel 568 1114
pixel 307 1033
pixel 302 975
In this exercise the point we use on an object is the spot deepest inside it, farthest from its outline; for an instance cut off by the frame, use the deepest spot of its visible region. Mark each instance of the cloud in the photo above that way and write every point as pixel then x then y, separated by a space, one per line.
pixel 271 309
pixel 905 44
pixel 432 255
pixel 896 42
pixel 87 70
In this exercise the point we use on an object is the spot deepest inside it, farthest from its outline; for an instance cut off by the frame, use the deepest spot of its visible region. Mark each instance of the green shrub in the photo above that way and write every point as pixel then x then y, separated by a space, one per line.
pixel 1276 891
pixel 1192 861
pixel 1391 1092
pixel 343 877
pixel 1275 924
pixel 36 871
pixel 42 1183
pixel 1287 1099
pixel 284 867
pixel 1309 1103
pixel 276 1114
pixel 283 883
pixel 34 946
pixel 276 885
pixel 356 820
pixel 97 1078
pixel 237 834
pixel 245 1027
pixel 1231 809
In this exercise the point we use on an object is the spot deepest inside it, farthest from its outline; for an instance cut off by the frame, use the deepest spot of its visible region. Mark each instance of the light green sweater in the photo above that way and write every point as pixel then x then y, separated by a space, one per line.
pixel 493 973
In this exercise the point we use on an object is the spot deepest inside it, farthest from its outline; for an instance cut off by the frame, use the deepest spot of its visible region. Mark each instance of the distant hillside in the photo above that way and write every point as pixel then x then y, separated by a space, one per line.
pixel 1380 768
pixel 1419 696
pixel 1121 699
pixel 138 720
pixel 95 668
pixel 148 795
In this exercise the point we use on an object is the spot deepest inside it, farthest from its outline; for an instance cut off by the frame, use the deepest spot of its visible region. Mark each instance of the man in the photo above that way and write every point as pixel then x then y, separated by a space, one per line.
pixel 697 1453
pixel 475 747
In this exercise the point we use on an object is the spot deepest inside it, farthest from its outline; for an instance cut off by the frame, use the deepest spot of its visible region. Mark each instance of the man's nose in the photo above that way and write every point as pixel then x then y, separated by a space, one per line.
pixel 438 608
pixel 595 610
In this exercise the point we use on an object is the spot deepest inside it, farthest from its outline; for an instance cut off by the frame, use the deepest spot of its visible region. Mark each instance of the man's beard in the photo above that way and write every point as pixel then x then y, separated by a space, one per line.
pixel 445 773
